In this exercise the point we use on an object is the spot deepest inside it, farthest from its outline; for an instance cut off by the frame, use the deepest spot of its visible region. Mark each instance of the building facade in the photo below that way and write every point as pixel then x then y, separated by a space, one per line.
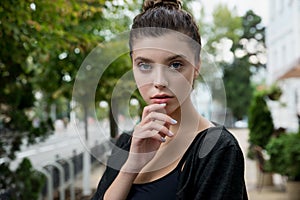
pixel 283 66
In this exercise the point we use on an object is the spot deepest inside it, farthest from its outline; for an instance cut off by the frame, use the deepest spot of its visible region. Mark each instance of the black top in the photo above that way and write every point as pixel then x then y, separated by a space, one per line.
pixel 163 188
pixel 213 167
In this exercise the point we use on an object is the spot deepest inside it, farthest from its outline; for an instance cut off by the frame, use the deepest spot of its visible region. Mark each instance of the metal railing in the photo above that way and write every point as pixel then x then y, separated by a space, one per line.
pixel 63 171
pixel 61 174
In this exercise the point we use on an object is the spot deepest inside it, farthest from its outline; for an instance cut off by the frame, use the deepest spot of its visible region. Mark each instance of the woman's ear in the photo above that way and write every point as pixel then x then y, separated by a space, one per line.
pixel 197 69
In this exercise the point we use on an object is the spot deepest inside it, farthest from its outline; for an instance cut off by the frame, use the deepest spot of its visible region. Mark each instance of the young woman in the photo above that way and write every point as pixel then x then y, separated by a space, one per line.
pixel 174 152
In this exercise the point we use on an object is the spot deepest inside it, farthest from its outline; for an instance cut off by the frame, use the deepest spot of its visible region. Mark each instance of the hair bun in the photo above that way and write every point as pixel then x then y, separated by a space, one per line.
pixel 162 3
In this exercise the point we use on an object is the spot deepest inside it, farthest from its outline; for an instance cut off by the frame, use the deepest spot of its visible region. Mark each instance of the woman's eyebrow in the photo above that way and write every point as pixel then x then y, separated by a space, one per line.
pixel 148 60
pixel 180 56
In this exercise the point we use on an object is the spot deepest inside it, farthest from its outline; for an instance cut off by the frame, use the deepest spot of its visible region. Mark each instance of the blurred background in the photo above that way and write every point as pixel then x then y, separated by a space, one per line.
pixel 54 144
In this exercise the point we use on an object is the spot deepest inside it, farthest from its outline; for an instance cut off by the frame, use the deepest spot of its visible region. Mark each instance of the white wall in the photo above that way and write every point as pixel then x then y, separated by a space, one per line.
pixel 283 47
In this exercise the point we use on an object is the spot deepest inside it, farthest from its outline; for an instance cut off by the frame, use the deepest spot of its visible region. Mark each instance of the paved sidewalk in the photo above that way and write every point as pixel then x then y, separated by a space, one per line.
pixel 270 193
pixel 267 192
pixel 96 173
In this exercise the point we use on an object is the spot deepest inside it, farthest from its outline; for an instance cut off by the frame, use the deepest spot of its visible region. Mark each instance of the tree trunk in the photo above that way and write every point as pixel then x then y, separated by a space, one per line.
pixel 86 157
pixel 85 120
pixel 113 118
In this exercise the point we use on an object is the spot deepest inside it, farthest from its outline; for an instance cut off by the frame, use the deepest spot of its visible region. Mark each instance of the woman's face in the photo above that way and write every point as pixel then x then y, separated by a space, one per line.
pixel 164 69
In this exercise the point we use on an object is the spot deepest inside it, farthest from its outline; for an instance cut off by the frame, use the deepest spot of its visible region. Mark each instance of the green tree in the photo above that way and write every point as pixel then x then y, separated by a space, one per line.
pixel 30 186
pixel 260 121
pixel 221 36
pixel 227 25
pixel 43 44
pixel 115 72
pixel 249 52
pixel 246 38
pixel 238 87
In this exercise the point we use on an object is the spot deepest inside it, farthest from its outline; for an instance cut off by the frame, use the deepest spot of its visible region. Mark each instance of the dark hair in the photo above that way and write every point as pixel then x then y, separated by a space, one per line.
pixel 165 15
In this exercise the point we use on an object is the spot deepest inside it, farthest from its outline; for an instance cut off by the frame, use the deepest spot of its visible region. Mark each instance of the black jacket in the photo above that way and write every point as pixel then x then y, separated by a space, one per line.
pixel 213 167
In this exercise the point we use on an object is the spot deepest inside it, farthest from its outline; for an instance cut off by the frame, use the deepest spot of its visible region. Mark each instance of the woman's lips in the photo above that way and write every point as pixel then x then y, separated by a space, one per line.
pixel 161 99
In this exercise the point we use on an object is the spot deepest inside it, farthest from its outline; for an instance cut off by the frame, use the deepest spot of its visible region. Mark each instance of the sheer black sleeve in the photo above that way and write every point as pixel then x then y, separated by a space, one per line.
pixel 217 175
pixel 115 161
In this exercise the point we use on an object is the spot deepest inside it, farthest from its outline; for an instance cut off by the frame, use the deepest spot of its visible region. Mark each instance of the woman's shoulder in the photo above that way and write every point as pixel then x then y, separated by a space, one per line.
pixel 214 139
pixel 222 135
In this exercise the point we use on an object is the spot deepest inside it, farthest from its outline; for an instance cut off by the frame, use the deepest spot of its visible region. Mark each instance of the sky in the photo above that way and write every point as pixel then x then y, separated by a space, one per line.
pixel 260 7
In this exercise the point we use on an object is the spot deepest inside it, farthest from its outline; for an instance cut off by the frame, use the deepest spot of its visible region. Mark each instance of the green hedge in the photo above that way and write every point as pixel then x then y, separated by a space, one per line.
pixel 284 154
pixel 260 121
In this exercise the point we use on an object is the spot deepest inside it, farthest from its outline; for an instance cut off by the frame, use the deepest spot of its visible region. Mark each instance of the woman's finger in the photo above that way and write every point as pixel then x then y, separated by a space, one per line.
pixel 153 107
pixel 160 117
pixel 159 136
pixel 150 129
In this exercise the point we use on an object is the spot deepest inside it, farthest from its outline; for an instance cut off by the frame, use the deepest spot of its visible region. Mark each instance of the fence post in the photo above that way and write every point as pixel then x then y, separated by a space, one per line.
pixel 72 178
pixel 49 183
pixel 61 180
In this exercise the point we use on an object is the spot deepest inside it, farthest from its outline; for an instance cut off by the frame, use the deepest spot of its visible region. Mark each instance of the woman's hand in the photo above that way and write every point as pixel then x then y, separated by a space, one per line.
pixel 148 136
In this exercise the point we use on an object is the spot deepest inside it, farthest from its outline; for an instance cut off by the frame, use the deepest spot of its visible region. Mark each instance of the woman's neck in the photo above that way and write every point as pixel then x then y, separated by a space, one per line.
pixel 189 119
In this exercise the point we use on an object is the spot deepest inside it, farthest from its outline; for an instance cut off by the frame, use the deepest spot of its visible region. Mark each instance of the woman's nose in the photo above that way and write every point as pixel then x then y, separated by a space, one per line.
pixel 160 80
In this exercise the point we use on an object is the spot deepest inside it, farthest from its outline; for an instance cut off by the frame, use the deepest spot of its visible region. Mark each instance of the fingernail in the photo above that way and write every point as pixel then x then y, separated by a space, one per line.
pixel 163 139
pixel 170 133
pixel 163 104
pixel 173 121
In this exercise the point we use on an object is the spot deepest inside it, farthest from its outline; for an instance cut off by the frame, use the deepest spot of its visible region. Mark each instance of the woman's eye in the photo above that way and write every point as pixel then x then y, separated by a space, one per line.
pixel 144 66
pixel 176 65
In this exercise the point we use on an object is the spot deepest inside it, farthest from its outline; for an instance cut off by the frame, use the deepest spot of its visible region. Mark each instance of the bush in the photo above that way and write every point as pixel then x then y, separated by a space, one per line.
pixel 274 92
pixel 284 154
pixel 260 121
pixel 25 183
